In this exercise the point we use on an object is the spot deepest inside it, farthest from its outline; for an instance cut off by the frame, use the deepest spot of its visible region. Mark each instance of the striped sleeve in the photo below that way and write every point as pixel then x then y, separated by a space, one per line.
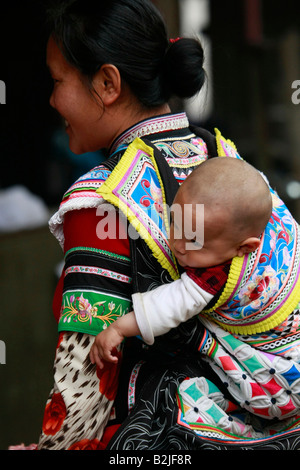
pixel 95 288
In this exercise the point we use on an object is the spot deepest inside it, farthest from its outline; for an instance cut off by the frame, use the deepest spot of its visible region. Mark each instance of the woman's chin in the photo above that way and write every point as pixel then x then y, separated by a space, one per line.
pixel 75 147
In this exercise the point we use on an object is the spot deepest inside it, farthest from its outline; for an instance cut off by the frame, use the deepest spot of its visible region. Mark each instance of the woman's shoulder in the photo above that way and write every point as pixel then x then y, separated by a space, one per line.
pixel 81 195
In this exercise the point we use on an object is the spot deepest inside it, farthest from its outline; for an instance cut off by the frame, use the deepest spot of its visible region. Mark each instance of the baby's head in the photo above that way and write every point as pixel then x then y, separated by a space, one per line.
pixel 237 207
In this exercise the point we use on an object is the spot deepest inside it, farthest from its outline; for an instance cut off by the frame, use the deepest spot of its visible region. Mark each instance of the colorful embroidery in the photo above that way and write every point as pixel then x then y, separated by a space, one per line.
pixel 283 340
pixel 96 310
pixel 203 409
pixel 87 184
pixel 83 193
pixel 186 153
pixel 132 384
pixel 264 384
pixel 99 272
pixel 97 290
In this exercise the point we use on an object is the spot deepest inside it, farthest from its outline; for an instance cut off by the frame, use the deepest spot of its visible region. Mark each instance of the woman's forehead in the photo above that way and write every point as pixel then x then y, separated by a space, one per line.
pixel 54 57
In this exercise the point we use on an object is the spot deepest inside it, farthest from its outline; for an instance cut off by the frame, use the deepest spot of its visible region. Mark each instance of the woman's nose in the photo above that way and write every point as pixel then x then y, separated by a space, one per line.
pixel 51 100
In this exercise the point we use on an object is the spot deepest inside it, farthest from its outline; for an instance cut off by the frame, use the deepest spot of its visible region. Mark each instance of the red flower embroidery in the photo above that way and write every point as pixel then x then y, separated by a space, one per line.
pixel 259 289
pixel 55 413
pixel 85 444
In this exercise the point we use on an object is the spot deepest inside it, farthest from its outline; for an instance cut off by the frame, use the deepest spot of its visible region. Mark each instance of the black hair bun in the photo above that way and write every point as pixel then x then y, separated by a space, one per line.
pixel 183 72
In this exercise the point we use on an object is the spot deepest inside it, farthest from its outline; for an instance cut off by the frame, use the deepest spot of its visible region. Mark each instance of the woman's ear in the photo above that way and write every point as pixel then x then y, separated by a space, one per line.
pixel 107 83
pixel 248 245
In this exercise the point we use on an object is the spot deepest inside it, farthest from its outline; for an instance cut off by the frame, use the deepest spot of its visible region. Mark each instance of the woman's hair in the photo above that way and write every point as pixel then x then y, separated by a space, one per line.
pixel 131 35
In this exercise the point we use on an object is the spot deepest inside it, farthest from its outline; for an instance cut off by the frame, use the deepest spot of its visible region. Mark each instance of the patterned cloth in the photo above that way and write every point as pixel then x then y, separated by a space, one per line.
pixel 264 384
pixel 267 385
pixel 81 401
pixel 232 396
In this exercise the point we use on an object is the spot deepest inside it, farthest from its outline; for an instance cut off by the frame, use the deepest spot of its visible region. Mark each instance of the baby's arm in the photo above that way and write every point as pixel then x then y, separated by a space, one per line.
pixel 106 342
pixel 155 312
pixel 164 308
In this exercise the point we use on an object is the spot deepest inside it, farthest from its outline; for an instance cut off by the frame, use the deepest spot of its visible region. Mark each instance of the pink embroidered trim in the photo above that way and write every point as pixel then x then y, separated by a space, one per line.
pixel 99 272
pixel 132 384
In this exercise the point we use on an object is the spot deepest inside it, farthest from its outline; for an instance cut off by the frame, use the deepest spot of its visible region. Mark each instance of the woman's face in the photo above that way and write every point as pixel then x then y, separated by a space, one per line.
pixel 73 100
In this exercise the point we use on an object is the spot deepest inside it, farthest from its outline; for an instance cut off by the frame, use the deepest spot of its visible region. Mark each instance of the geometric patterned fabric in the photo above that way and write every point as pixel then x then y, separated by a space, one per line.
pixel 265 384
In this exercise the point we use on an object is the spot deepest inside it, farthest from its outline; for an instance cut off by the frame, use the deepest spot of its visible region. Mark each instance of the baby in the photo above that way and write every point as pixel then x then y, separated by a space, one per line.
pixel 237 207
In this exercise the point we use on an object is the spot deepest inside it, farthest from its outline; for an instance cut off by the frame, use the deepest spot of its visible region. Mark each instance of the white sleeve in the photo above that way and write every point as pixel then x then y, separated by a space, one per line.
pixel 164 308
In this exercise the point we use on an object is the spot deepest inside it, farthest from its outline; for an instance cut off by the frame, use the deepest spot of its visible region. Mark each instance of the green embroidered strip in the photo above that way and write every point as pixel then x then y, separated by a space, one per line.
pixel 90 311
pixel 96 250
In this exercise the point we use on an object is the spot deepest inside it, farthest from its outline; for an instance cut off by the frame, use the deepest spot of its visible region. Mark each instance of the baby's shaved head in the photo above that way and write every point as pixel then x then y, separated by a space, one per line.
pixel 233 191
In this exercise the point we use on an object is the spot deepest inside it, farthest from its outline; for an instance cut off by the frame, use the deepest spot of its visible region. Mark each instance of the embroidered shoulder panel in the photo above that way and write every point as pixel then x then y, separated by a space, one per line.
pixel 82 194
pixel 185 153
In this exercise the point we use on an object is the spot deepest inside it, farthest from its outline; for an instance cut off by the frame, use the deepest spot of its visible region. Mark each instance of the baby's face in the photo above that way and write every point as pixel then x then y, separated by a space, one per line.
pixel 197 240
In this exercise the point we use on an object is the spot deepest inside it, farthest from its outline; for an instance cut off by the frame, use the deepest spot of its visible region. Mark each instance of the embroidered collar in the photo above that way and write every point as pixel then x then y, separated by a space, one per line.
pixel 165 123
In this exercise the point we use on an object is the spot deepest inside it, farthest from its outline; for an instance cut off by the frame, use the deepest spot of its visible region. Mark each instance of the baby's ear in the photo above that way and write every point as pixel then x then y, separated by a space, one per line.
pixel 248 245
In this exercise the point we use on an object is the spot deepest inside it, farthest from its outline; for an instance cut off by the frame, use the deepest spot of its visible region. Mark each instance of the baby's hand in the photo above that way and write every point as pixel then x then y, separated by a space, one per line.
pixel 105 346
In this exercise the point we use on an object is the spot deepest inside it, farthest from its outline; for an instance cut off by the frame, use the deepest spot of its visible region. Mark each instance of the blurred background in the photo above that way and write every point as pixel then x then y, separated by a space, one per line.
pixel 252 50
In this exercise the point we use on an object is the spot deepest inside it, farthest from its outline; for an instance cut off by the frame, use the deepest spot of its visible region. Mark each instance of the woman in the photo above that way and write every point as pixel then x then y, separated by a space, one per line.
pixel 114 72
